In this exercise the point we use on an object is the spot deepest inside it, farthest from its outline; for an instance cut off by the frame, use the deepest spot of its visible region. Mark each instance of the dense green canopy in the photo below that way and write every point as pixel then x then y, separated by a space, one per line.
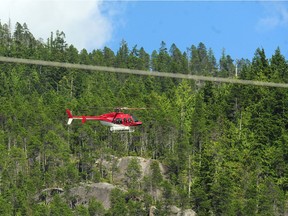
pixel 225 146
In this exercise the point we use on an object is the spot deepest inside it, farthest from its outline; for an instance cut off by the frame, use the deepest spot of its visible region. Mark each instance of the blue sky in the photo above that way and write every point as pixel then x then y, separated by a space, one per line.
pixel 239 27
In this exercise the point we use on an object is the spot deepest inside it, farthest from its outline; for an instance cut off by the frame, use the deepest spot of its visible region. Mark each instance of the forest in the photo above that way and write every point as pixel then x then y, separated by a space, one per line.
pixel 225 146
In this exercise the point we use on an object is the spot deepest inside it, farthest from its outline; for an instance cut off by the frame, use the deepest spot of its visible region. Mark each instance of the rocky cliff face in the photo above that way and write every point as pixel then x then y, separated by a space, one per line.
pixel 101 191
pixel 83 193
pixel 119 167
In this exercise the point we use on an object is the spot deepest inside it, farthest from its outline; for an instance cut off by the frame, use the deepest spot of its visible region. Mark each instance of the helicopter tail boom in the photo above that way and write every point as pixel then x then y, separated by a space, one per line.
pixel 83 118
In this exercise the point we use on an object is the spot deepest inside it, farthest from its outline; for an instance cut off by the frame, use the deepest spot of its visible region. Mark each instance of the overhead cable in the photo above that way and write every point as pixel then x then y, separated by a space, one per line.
pixel 141 72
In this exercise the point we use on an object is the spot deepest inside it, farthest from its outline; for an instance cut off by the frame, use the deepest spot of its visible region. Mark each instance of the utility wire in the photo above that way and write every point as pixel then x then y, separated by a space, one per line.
pixel 140 72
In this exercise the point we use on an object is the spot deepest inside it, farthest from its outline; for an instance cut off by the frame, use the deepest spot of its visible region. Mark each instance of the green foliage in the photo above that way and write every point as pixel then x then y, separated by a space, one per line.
pixel 81 211
pixel 223 147
pixel 95 208
pixel 118 205
pixel 59 207
pixel 6 208
pixel 133 174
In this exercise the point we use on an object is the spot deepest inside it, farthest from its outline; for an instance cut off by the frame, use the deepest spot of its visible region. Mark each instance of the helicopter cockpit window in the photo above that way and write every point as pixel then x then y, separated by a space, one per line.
pixel 134 118
pixel 118 121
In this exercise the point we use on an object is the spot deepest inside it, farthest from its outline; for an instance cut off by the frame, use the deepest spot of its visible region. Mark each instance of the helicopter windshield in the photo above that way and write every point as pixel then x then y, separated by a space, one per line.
pixel 134 118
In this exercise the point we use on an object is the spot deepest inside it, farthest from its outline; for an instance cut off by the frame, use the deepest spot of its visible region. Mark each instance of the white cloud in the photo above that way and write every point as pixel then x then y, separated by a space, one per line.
pixel 276 15
pixel 85 23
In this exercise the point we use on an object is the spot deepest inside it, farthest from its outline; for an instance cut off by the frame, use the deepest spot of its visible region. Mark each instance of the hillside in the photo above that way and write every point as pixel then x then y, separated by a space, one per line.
pixel 222 147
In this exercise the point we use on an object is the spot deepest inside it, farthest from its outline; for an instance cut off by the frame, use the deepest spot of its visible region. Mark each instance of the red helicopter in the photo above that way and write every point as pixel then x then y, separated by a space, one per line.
pixel 117 121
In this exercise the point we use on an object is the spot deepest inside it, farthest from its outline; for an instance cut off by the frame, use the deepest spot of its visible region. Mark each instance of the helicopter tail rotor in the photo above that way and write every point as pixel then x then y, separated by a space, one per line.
pixel 70 116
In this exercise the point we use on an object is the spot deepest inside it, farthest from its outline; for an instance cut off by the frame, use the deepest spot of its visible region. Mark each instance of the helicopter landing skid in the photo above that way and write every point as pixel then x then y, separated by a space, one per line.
pixel 121 129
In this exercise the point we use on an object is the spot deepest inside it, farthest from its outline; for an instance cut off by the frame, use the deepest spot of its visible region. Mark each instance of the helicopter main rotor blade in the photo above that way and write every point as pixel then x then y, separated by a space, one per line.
pixel 129 108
